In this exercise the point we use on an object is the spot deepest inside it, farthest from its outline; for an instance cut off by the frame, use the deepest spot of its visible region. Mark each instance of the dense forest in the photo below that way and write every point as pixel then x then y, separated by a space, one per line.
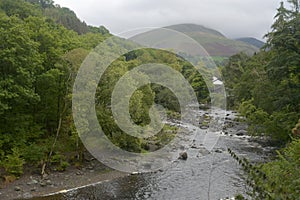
pixel 265 88
pixel 40 53
pixel 42 46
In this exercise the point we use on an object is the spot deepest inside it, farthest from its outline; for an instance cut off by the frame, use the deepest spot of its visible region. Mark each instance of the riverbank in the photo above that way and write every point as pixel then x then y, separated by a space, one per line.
pixel 33 185
pixel 193 174
pixel 203 175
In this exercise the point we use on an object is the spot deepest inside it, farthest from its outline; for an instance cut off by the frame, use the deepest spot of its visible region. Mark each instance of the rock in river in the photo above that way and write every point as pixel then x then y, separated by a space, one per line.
pixel 183 156
pixel 218 151
pixel 241 133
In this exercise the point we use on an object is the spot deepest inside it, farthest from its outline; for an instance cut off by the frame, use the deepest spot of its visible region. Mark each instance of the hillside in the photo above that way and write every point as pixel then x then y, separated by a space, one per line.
pixel 47 8
pixel 39 60
pixel 190 28
pixel 69 20
pixel 215 43
pixel 252 41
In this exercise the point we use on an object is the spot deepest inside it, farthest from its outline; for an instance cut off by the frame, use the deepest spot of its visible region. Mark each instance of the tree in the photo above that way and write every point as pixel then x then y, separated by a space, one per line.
pixel 20 8
pixel 232 73
pixel 270 80
pixel 42 3
pixel 20 63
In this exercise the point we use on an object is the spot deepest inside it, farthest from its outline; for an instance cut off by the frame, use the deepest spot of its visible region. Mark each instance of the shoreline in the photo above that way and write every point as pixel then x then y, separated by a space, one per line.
pixel 31 185
pixel 91 172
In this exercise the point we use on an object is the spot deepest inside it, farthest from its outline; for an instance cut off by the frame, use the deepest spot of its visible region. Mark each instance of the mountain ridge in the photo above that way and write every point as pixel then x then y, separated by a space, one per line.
pixel 252 41
pixel 214 42
pixel 189 27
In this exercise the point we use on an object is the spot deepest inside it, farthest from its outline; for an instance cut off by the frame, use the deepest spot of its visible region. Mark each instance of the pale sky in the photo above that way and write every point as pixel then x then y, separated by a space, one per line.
pixel 233 18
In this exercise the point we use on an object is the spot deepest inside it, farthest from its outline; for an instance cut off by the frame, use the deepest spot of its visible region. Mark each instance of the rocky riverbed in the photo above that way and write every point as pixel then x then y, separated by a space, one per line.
pixel 197 174
pixel 32 184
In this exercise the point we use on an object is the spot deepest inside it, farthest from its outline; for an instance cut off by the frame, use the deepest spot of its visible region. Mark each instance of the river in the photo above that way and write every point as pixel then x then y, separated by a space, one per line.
pixel 204 175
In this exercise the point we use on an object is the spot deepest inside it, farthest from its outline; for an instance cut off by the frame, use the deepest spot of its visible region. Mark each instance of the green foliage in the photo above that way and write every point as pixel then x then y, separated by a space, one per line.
pixel 67 18
pixel 284 174
pixel 278 179
pixel 35 153
pixel 256 117
pixel 63 166
pixel 140 103
pixel 60 162
pixel 39 61
pixel 144 97
pixel 239 197
pixel 296 130
pixel 91 40
pixel 100 29
pixel 266 86
pixel 166 98
pixel 13 163
pixel 232 73
pixel 19 8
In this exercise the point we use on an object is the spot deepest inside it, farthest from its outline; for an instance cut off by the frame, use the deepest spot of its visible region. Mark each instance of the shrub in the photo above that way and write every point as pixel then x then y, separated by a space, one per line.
pixel 60 162
pixel 13 163
pixel 34 153
pixel 278 179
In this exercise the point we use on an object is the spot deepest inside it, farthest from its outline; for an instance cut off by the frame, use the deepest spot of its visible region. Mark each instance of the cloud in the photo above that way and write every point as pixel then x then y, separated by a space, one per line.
pixel 234 18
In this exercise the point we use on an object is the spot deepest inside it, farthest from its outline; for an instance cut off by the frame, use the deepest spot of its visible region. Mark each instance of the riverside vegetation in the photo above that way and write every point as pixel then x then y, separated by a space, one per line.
pixel 42 46
pixel 265 88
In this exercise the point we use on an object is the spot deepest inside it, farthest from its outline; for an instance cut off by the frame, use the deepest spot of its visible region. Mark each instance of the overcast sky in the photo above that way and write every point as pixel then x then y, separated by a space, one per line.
pixel 233 18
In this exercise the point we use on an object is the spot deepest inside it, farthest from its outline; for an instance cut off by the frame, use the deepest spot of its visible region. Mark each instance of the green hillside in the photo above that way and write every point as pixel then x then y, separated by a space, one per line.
pixel 39 61
pixel 252 41
pixel 42 48
pixel 215 43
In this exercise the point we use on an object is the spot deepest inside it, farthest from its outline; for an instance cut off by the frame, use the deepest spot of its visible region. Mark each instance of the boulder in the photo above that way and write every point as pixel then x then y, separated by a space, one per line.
pixel 204 127
pixel 48 182
pixel 183 156
pixel 17 188
pixel 32 182
pixel 78 173
pixel 218 151
pixel 241 133
pixel 43 184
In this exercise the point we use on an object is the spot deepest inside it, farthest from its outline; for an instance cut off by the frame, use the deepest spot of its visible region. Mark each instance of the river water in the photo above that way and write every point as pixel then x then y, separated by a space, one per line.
pixel 204 175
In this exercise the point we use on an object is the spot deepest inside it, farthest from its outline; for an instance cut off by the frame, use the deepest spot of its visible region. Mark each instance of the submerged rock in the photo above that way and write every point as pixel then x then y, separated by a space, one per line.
pixel 218 151
pixel 203 152
pixel 204 127
pixel 241 133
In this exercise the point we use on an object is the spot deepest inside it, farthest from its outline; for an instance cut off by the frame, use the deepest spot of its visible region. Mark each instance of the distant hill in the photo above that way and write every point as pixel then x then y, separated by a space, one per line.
pixel 190 28
pixel 215 43
pixel 252 41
